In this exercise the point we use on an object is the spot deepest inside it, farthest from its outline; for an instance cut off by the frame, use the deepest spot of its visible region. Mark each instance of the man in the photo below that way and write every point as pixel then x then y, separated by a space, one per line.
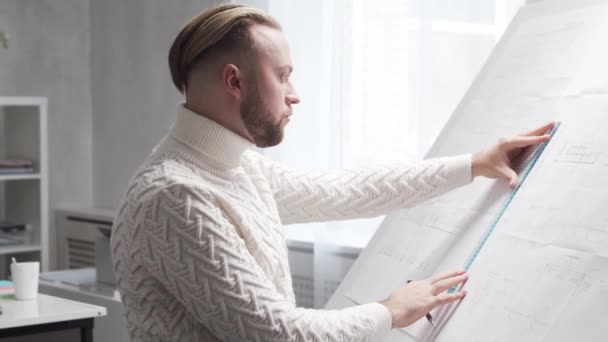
pixel 197 243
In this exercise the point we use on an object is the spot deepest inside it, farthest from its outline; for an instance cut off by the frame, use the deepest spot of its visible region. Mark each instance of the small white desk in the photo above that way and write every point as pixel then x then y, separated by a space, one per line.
pixel 47 313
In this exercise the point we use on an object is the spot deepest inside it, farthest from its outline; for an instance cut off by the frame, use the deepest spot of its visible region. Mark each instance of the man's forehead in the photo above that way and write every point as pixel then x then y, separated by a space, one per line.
pixel 270 41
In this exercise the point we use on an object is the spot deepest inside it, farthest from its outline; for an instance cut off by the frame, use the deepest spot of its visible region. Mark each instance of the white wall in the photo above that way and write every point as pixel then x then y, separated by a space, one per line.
pixel 49 55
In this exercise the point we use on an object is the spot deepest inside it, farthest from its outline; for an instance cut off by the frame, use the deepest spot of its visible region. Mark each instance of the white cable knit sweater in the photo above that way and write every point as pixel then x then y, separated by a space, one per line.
pixel 197 244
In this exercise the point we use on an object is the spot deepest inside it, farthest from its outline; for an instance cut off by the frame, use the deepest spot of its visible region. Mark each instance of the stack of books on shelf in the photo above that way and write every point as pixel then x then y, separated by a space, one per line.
pixel 16 167
pixel 13 233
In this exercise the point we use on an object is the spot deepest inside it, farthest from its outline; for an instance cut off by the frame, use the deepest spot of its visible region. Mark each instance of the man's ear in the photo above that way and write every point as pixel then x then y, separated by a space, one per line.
pixel 232 80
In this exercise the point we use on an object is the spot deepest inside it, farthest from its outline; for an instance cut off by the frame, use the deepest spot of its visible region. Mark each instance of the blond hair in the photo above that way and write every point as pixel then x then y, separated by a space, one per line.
pixel 215 31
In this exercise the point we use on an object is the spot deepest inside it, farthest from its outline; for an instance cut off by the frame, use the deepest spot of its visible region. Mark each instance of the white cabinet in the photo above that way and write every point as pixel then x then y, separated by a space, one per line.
pixel 24 197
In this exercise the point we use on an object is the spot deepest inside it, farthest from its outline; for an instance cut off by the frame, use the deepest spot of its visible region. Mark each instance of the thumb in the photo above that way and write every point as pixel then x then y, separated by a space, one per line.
pixel 511 175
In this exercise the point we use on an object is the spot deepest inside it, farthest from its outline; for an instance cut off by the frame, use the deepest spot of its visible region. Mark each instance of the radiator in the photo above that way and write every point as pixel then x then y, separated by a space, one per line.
pixel 77 233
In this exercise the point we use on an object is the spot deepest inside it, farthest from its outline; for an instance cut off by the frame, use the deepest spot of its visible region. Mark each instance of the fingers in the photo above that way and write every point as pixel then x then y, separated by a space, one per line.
pixel 523 141
pixel 444 284
pixel 445 275
pixel 540 130
pixel 445 298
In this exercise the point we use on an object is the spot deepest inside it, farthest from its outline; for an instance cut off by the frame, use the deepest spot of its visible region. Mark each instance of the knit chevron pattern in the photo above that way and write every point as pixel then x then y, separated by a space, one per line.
pixel 199 254
pixel 332 195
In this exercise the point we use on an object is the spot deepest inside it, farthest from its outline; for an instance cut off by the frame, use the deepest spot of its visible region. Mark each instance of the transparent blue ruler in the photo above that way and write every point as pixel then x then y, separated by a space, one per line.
pixel 528 160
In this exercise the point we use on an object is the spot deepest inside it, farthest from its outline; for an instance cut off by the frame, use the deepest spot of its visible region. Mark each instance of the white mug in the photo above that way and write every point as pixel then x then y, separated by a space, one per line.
pixel 25 279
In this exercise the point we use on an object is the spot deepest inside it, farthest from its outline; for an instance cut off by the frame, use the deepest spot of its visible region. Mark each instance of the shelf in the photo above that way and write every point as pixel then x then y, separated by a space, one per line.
pixel 24 196
pixel 21 248
pixel 24 176
pixel 27 242
pixel 22 101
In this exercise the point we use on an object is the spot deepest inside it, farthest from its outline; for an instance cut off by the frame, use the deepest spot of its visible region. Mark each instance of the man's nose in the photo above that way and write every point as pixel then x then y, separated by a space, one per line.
pixel 292 95
pixel 293 98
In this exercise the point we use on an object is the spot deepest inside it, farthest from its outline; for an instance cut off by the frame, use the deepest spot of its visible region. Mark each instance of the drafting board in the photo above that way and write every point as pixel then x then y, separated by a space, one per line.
pixel 543 273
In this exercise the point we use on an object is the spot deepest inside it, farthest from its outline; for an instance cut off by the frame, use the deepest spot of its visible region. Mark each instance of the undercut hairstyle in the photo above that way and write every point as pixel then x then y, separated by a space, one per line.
pixel 215 33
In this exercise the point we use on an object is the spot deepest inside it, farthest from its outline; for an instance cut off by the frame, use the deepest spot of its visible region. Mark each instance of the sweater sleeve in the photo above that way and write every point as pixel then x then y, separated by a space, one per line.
pixel 356 193
pixel 202 261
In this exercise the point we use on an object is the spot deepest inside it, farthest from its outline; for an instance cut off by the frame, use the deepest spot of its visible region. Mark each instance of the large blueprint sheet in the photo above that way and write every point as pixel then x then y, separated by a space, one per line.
pixel 543 273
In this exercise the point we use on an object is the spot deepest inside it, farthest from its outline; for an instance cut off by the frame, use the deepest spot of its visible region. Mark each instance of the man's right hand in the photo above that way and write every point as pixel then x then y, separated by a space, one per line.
pixel 414 300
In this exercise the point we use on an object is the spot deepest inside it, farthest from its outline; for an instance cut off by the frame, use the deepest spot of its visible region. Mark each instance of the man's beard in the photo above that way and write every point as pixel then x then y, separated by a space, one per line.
pixel 258 122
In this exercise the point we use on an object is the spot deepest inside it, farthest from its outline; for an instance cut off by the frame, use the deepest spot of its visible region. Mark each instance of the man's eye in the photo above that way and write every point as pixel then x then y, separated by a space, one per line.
pixel 285 76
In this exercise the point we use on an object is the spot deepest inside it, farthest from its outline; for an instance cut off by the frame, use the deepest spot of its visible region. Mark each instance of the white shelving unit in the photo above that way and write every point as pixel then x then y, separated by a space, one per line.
pixel 24 197
pixel 19 177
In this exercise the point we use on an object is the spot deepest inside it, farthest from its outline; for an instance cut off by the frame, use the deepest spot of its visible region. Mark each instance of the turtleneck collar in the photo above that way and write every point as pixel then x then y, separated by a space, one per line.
pixel 209 137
